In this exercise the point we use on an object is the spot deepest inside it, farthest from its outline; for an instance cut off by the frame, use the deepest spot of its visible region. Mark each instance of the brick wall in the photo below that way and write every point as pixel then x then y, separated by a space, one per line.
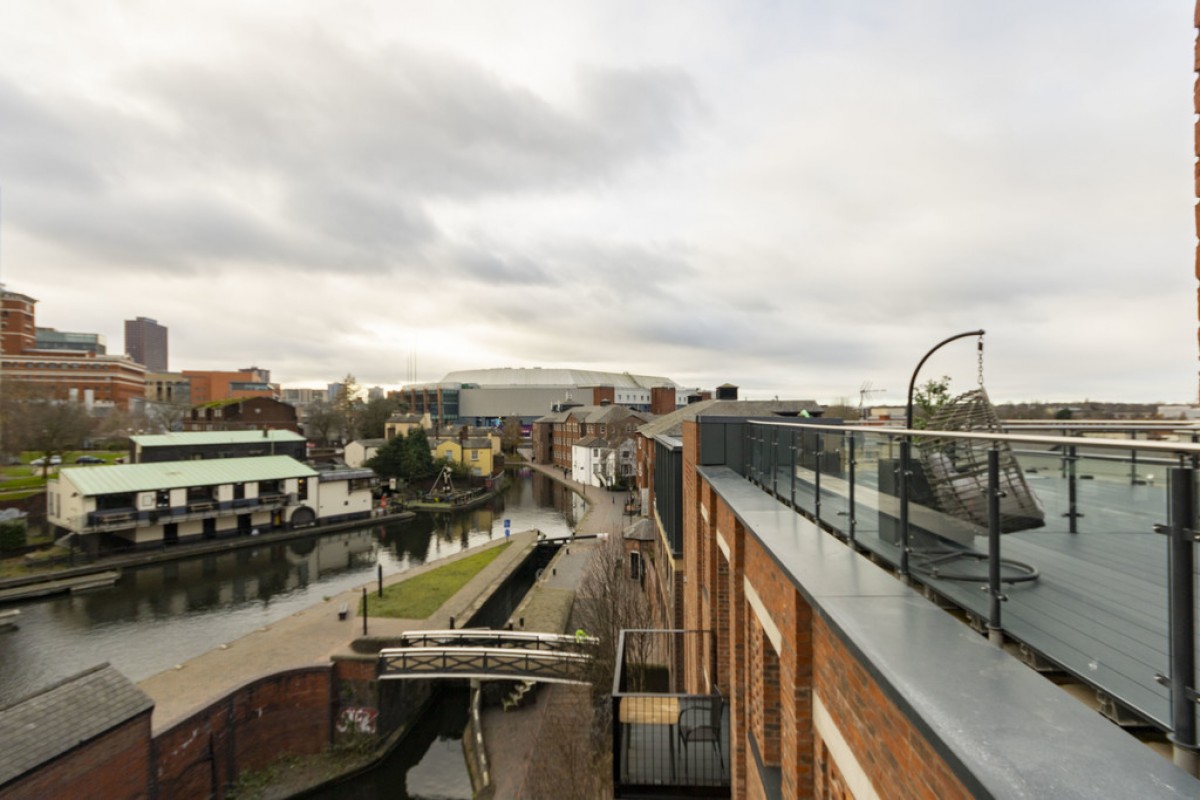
pixel 115 765
pixel 288 713
pixel 774 656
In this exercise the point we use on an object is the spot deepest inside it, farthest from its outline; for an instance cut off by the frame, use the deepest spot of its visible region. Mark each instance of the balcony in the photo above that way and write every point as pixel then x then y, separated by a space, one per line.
pixel 117 519
pixel 1073 544
pixel 668 741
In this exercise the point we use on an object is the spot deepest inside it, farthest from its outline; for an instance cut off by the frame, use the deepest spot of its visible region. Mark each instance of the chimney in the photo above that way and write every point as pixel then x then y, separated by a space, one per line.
pixel 662 399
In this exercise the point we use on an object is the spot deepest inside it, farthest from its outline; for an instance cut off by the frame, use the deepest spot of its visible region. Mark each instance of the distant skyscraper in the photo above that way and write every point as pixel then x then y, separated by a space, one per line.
pixel 146 343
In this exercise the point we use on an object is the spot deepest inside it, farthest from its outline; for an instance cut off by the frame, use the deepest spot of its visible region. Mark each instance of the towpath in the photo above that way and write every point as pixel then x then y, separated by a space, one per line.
pixel 307 637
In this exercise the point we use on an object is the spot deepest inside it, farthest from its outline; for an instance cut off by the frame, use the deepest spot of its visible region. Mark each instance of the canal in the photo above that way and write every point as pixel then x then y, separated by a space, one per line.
pixel 161 615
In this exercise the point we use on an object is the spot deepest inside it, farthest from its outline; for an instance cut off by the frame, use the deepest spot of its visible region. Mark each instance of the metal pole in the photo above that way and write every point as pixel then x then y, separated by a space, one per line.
pixel 1182 617
pixel 379 571
pixel 364 610
pixel 1072 491
pixel 996 597
pixel 820 451
pixel 905 445
pixel 851 463
pixel 1133 461
pixel 905 454
pixel 792 496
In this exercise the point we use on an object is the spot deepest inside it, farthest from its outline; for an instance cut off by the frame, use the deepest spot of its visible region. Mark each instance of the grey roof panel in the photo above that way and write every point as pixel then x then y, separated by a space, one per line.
pixel 184 438
pixel 63 716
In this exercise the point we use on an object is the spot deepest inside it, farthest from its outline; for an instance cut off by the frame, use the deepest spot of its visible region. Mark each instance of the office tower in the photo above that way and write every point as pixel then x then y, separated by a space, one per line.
pixel 146 343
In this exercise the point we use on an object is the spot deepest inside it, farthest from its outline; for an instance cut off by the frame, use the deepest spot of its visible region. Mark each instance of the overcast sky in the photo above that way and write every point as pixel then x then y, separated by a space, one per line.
pixel 796 197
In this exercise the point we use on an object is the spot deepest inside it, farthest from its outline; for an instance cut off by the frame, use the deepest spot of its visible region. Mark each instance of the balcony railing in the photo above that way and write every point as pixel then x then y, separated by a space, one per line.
pixel 1064 535
pixel 124 518
pixel 670 732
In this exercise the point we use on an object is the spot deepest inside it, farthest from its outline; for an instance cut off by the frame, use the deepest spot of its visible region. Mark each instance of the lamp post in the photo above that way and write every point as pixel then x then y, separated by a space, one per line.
pixel 906 448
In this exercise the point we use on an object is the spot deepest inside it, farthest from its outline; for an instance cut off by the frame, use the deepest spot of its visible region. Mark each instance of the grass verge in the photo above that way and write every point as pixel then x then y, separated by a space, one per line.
pixel 420 596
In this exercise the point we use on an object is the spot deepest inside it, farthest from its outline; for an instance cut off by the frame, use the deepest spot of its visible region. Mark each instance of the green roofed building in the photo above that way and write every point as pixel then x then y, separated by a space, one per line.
pixel 172 501
pixel 193 445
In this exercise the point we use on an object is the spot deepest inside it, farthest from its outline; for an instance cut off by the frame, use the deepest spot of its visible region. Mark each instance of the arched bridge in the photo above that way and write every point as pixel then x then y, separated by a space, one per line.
pixel 488 654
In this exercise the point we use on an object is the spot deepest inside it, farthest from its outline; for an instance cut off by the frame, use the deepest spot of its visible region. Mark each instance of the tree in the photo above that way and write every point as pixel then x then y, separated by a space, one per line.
pixel 928 398
pixel 510 434
pixel 167 416
pixel 320 421
pixel 608 602
pixel 346 405
pixel 405 457
pixel 373 417
pixel 54 427
pixel 418 459
pixel 388 461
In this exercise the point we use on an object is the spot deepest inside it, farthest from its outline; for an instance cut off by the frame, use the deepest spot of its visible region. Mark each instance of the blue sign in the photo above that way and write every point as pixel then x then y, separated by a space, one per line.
pixel 508 523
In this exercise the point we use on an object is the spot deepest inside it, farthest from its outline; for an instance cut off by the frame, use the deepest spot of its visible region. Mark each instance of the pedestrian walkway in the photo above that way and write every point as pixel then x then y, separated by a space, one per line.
pixel 310 637
pixel 514 739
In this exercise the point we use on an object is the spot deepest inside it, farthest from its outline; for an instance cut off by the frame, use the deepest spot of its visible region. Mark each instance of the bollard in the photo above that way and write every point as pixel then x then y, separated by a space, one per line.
pixel 452 623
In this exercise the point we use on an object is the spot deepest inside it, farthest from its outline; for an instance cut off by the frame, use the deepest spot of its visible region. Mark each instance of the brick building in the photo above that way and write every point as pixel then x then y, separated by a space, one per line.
pixel 556 433
pixel 251 413
pixel 209 385
pixel 801 668
pixel 82 375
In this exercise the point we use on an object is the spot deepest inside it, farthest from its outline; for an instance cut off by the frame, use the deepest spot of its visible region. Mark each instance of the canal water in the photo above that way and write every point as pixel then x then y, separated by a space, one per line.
pixel 161 615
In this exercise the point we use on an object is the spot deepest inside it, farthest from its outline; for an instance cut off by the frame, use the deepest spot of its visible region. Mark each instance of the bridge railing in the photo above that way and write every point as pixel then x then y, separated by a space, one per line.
pixel 483 637
pixel 483 663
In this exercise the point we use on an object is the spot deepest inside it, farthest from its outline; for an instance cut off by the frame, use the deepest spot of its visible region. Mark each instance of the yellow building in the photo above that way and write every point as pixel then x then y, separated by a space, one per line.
pixel 475 454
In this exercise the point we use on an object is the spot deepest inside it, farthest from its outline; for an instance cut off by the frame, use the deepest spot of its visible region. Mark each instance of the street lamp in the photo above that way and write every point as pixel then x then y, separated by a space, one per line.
pixel 906 447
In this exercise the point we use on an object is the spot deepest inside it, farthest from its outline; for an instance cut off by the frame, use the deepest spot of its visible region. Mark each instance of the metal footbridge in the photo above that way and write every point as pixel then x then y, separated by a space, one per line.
pixel 488 655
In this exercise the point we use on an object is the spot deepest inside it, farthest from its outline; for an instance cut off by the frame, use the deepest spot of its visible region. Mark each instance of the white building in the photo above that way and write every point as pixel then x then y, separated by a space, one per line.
pixel 173 501
pixel 597 461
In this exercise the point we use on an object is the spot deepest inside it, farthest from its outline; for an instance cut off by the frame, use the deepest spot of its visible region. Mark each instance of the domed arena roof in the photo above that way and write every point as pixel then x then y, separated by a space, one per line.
pixel 536 377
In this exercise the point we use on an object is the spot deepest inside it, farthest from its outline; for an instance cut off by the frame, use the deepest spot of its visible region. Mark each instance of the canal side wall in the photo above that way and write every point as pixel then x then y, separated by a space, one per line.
pixel 288 713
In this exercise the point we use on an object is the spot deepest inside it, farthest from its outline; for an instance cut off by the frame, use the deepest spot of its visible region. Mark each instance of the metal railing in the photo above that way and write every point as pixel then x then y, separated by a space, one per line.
pixel 1085 548
pixel 670 721
pixel 483 663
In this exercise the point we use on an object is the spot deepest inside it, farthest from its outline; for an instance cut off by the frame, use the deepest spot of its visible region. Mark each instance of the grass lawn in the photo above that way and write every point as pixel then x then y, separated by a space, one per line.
pixel 418 597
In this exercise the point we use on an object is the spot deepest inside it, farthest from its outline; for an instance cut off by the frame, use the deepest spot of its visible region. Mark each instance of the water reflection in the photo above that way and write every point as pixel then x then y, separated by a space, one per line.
pixel 161 615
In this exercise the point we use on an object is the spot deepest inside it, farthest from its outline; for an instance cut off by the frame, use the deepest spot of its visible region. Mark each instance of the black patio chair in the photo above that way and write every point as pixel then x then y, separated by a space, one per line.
pixel 700 721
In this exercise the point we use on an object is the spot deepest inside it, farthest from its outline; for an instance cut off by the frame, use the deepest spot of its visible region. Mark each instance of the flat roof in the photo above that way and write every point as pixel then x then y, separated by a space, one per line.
pixel 1003 729
pixel 184 438
pixel 119 478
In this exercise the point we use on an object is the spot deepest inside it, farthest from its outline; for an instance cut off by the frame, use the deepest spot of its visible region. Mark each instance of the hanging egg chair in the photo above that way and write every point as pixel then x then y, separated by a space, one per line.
pixel 957 469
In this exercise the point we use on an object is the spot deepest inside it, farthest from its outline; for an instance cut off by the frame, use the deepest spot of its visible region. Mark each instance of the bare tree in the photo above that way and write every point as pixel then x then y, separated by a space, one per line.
pixel 568 763
pixel 608 602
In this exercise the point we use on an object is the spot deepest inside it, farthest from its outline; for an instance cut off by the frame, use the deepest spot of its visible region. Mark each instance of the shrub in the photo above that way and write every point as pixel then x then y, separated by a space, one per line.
pixel 12 534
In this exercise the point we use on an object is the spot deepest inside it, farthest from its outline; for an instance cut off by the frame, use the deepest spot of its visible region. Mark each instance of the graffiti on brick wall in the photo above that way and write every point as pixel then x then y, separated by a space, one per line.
pixel 357 719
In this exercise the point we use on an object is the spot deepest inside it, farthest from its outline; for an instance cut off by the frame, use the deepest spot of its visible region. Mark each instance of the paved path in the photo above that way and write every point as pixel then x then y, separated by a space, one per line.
pixel 513 739
pixel 305 638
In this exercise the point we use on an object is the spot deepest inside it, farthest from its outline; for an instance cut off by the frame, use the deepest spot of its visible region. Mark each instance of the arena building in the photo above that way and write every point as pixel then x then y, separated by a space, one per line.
pixel 485 396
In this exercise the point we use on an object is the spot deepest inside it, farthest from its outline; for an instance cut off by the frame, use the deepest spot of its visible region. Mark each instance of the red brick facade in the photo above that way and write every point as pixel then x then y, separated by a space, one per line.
pixel 115 765
pixel 775 659
pixel 289 713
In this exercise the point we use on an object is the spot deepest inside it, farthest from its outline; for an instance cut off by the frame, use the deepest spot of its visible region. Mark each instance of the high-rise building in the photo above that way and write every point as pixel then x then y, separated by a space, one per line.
pixel 80 372
pixel 146 343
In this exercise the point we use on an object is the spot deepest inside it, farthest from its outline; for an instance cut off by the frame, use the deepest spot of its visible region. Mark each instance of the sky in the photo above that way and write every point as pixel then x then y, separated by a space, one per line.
pixel 799 198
